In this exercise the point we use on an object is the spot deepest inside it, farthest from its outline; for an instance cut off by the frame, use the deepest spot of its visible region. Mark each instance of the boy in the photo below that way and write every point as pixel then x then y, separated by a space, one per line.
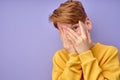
pixel 81 58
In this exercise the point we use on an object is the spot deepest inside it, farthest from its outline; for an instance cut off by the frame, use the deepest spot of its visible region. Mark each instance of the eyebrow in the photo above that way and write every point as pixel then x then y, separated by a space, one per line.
pixel 74 25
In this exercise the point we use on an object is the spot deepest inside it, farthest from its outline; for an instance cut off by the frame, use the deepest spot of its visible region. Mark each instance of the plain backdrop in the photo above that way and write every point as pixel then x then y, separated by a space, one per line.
pixel 28 40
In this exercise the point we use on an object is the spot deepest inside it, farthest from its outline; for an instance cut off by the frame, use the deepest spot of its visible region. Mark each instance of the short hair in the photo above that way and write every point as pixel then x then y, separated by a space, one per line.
pixel 69 12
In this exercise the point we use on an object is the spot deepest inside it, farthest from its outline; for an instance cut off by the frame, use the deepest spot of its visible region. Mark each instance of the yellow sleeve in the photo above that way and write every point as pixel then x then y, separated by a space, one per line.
pixel 66 70
pixel 92 70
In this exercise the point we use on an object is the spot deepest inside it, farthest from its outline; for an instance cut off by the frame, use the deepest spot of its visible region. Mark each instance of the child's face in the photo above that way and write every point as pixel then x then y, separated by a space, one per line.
pixel 75 27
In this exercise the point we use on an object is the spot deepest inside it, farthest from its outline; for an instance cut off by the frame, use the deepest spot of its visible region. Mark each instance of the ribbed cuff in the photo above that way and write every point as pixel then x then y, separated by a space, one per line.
pixel 86 56
pixel 73 57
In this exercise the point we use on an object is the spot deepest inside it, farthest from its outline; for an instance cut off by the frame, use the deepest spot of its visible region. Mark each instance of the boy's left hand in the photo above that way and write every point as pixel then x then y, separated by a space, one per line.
pixel 80 42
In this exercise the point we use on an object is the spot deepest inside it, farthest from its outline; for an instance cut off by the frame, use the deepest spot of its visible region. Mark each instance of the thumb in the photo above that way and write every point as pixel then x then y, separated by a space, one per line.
pixel 88 36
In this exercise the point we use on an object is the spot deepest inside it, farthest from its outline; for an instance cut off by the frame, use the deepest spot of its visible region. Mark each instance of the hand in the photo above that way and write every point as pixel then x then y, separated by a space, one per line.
pixel 81 42
pixel 67 44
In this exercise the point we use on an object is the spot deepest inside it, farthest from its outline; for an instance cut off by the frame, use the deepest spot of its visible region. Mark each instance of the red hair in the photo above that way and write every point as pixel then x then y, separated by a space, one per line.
pixel 68 12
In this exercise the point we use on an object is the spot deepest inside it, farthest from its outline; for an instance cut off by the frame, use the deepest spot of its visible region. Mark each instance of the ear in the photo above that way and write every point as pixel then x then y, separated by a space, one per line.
pixel 88 23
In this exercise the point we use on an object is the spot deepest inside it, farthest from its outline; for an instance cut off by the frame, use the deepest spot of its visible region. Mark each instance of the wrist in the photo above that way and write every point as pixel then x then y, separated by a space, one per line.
pixel 83 50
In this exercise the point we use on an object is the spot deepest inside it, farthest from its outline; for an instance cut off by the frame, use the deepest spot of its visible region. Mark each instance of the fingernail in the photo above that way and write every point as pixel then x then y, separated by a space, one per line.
pixel 63 30
pixel 67 36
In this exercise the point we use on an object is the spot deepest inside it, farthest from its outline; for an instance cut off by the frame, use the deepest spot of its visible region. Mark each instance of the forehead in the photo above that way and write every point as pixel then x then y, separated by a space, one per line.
pixel 60 24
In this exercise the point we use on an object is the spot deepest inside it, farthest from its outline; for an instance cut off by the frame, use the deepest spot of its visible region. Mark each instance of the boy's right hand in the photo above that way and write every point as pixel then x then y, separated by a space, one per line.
pixel 66 42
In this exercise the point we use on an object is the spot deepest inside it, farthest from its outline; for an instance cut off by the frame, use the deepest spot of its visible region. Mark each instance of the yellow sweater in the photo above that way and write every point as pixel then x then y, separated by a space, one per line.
pixel 99 63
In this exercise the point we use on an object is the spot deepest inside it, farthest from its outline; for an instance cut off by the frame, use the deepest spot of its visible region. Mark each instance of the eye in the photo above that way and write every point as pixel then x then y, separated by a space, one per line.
pixel 74 28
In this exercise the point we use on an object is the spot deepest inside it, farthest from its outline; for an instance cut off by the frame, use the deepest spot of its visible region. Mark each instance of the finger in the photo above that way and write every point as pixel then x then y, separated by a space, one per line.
pixel 88 36
pixel 60 30
pixel 62 34
pixel 71 44
pixel 71 39
pixel 60 27
pixel 83 34
pixel 66 42
pixel 71 36
pixel 70 31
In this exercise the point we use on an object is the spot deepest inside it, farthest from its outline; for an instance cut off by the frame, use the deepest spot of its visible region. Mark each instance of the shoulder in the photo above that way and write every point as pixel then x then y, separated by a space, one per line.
pixel 103 47
pixel 107 47
pixel 103 50
pixel 105 53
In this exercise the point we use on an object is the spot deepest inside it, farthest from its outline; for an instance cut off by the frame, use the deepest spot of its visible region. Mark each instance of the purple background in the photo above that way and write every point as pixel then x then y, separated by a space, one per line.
pixel 28 40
